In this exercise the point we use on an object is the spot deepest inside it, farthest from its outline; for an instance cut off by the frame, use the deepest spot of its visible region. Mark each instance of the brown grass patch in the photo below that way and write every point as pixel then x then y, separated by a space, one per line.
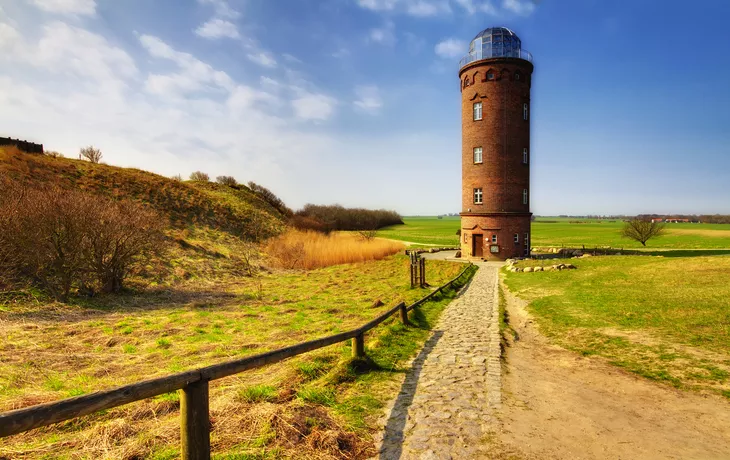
pixel 310 250
pixel 699 232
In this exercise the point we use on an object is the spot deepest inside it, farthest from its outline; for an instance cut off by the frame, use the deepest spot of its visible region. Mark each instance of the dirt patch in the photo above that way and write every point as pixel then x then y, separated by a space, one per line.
pixel 558 404
pixel 699 232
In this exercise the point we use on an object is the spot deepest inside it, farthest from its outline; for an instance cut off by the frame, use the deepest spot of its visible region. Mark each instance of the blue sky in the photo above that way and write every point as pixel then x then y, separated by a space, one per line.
pixel 357 102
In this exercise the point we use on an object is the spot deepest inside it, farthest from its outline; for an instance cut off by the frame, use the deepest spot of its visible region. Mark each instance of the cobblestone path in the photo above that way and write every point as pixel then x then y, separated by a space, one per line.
pixel 444 409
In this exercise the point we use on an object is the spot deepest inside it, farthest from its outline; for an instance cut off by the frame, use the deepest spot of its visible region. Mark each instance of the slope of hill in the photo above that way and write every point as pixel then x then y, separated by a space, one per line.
pixel 208 222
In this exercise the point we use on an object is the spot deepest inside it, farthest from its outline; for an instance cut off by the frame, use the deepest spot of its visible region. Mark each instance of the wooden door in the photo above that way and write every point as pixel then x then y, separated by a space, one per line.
pixel 477 245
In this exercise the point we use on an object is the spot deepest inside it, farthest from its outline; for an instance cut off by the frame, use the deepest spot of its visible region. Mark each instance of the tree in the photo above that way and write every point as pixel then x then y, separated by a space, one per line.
pixel 227 180
pixel 201 176
pixel 177 177
pixel 91 153
pixel 642 230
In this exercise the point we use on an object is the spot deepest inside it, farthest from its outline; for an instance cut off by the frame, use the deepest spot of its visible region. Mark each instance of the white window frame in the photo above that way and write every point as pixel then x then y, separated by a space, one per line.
pixel 478 111
pixel 494 238
pixel 527 240
pixel 517 238
pixel 524 156
pixel 490 76
pixel 480 158
pixel 524 196
pixel 478 196
pixel 525 111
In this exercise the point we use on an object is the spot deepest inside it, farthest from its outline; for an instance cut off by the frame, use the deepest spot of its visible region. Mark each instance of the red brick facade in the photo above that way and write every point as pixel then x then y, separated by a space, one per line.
pixel 502 86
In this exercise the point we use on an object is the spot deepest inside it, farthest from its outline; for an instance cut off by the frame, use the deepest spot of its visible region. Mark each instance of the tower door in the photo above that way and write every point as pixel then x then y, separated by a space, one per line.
pixel 477 242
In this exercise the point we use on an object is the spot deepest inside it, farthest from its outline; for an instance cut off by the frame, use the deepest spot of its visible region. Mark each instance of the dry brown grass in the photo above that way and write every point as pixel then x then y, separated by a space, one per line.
pixel 310 250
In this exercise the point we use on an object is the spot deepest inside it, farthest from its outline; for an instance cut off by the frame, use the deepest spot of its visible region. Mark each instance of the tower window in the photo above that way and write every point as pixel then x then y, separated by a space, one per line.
pixel 517 76
pixel 524 196
pixel 527 240
pixel 494 239
pixel 478 196
pixel 477 111
pixel 524 111
pixel 477 155
pixel 490 76
pixel 524 155
pixel 517 238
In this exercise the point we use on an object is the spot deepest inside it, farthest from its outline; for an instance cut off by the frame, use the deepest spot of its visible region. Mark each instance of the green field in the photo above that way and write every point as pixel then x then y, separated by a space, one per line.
pixel 569 232
pixel 113 340
pixel 664 318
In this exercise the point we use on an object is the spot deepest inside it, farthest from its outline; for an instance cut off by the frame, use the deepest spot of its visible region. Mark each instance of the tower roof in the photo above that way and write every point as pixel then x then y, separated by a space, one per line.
pixel 495 42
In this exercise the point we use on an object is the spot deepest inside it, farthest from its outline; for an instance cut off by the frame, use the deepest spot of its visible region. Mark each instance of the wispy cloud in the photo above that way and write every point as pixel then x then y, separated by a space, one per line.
pixel 451 48
pixel 263 59
pixel 222 8
pixel 383 35
pixel 368 99
pixel 521 7
pixel 308 106
pixel 67 7
pixel 217 28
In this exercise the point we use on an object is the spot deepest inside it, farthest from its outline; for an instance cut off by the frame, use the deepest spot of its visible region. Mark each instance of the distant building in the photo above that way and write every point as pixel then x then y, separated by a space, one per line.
pixel 495 79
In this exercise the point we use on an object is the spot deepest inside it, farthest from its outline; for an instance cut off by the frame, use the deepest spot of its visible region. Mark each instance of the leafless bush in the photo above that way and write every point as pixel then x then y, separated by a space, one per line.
pixel 122 234
pixel 227 180
pixel 201 176
pixel 53 154
pixel 367 235
pixel 269 196
pixel 60 239
pixel 642 230
pixel 177 177
pixel 250 254
pixel 91 153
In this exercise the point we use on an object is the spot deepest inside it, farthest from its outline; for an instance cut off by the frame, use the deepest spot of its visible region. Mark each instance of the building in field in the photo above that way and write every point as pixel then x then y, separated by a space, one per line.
pixel 495 79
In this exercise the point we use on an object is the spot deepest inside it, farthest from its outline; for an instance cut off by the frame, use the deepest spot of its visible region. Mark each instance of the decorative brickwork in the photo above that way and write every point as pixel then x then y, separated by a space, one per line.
pixel 502 86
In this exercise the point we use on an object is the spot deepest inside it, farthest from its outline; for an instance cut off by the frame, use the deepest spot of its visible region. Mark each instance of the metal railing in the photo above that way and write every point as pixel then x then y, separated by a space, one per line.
pixel 193 386
pixel 473 57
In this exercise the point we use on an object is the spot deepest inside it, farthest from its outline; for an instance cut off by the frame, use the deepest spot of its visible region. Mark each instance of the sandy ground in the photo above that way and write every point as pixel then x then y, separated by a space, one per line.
pixel 560 405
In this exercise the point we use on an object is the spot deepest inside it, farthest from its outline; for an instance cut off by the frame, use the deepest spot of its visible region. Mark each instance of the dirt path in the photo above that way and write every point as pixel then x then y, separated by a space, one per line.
pixel 559 405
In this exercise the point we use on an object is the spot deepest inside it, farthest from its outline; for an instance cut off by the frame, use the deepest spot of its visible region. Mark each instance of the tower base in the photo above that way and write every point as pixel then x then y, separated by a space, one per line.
pixel 495 236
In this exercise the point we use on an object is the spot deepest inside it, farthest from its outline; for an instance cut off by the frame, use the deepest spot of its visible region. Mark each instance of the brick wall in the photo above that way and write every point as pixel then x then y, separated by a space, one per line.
pixel 25 146
pixel 503 134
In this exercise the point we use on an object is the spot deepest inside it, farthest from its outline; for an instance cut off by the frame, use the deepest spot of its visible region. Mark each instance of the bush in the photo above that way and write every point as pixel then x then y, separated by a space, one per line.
pixel 227 180
pixel 337 217
pixel 269 196
pixel 63 239
pixel 91 153
pixel 201 176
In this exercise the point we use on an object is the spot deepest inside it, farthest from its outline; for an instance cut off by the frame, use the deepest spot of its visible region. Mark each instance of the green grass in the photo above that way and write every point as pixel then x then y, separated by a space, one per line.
pixel 51 351
pixel 569 232
pixel 662 318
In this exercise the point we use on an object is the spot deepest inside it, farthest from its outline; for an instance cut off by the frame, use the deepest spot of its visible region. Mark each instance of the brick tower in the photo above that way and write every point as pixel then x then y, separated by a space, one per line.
pixel 495 159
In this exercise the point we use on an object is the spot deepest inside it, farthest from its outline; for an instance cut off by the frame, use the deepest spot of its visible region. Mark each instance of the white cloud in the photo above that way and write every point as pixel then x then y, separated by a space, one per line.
pixel 217 28
pixel 308 106
pixel 384 35
pixel 425 8
pixel 521 7
pixel 69 7
pixel 222 8
pixel 263 59
pixel 378 5
pixel 368 99
pixel 451 48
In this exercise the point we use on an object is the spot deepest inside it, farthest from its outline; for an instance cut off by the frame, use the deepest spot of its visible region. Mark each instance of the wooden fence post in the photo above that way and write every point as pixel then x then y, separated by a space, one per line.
pixel 195 422
pixel 358 346
pixel 403 314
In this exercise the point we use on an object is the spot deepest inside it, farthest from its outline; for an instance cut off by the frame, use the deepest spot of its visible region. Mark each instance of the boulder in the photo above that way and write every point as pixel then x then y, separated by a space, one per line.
pixel 570 266
pixel 458 254
pixel 539 269
pixel 529 269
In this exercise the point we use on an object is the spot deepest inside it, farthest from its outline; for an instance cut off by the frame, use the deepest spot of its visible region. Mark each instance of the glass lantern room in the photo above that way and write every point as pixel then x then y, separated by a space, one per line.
pixel 495 42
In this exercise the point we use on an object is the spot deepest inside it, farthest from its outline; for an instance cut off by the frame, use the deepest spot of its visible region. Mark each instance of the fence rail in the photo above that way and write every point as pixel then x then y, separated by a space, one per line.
pixel 194 414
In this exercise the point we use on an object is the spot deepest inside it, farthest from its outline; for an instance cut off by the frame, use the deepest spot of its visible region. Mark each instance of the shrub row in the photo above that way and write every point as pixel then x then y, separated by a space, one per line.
pixel 60 240
pixel 328 218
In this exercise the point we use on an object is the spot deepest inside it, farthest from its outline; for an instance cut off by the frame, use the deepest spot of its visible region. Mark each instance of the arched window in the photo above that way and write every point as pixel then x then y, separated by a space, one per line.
pixel 518 76
pixel 517 238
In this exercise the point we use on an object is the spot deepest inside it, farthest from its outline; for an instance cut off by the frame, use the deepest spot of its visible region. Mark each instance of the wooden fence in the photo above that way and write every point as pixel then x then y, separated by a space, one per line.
pixel 194 411
pixel 25 146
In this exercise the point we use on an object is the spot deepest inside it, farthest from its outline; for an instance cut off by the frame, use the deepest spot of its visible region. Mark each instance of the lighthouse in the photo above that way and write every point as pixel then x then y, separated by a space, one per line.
pixel 495 79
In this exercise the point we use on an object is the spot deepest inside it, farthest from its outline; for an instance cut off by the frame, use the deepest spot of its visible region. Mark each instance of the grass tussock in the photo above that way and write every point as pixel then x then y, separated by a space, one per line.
pixel 309 250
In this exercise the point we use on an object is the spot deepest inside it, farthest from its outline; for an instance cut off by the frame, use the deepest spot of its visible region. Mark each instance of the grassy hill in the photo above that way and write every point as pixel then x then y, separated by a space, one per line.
pixel 196 203
pixel 208 223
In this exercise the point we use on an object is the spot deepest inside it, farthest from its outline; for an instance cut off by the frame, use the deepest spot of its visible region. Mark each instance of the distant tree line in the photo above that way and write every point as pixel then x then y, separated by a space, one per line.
pixel 704 218
pixel 335 217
